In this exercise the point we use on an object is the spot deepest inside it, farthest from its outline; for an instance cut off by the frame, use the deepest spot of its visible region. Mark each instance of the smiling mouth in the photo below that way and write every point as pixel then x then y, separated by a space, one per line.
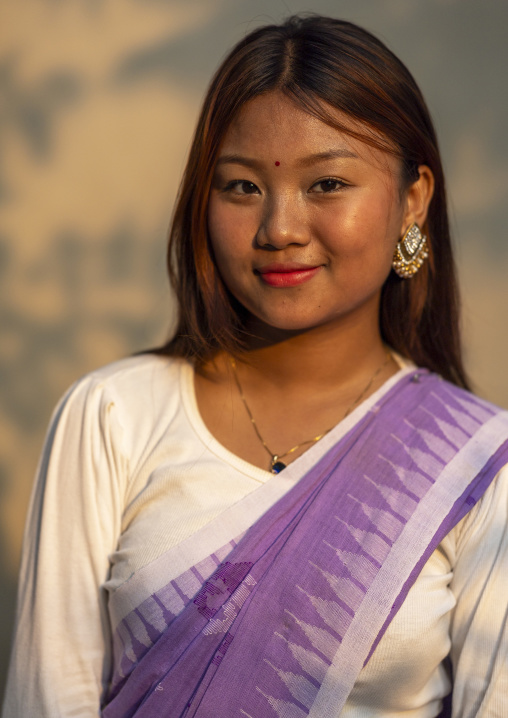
pixel 281 276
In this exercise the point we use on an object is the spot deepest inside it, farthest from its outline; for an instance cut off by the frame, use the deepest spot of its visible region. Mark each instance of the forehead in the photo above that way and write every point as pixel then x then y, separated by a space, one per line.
pixel 273 127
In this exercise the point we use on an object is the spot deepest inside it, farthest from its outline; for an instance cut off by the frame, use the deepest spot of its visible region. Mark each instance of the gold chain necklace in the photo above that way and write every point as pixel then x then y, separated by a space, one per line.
pixel 276 465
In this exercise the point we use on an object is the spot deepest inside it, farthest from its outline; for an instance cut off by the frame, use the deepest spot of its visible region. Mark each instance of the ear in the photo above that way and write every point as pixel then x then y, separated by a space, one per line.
pixel 417 199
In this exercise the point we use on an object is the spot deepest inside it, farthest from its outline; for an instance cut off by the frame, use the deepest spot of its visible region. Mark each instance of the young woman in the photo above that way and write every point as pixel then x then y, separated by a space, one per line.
pixel 295 508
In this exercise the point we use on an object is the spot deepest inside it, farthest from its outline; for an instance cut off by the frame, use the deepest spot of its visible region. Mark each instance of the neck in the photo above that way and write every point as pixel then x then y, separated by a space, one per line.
pixel 315 360
pixel 321 356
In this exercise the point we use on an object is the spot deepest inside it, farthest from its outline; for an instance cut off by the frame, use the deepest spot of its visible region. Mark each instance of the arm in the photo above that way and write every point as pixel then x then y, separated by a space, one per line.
pixel 61 658
pixel 479 628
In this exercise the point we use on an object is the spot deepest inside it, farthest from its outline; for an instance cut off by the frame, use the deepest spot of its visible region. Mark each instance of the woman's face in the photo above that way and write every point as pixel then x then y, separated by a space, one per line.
pixel 303 219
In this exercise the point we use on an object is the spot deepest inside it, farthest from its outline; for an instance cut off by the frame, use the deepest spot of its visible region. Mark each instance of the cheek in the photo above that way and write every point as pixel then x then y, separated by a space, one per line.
pixel 367 234
pixel 377 227
pixel 217 225
pixel 221 238
pixel 228 246
pixel 229 231
pixel 362 242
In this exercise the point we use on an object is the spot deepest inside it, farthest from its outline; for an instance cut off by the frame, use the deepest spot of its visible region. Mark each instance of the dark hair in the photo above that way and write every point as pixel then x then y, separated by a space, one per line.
pixel 318 62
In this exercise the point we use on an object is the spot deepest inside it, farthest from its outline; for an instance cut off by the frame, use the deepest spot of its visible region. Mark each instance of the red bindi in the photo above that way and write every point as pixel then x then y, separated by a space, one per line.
pixel 277 163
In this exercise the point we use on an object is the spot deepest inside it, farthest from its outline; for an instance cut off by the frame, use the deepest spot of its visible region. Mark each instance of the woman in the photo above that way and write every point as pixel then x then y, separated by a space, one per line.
pixel 278 513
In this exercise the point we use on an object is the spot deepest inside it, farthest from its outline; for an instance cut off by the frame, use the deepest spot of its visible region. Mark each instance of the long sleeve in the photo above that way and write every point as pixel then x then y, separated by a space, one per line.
pixel 61 654
pixel 479 629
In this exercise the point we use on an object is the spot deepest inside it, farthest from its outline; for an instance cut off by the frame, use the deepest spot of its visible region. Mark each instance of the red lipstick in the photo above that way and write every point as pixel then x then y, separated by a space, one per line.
pixel 287 275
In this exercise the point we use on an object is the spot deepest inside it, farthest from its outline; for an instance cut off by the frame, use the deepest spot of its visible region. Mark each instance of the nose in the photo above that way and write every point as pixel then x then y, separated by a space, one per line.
pixel 284 222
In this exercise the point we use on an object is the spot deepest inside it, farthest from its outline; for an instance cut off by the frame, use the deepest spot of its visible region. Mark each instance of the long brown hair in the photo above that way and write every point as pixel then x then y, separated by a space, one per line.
pixel 318 62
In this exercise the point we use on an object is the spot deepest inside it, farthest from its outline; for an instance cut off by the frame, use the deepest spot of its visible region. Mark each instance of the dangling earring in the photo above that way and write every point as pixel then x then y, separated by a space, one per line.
pixel 410 252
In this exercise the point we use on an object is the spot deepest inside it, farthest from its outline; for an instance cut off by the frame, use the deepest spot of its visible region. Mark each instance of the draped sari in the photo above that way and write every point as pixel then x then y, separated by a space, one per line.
pixel 273 610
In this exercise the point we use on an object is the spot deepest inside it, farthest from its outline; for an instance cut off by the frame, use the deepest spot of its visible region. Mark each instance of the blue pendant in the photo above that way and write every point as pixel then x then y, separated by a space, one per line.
pixel 278 466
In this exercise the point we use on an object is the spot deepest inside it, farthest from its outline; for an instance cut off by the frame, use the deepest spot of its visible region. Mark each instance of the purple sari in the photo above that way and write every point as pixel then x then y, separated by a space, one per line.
pixel 281 620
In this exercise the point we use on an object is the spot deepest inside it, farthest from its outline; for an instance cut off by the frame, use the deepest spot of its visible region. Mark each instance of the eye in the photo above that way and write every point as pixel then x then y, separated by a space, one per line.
pixel 241 187
pixel 328 185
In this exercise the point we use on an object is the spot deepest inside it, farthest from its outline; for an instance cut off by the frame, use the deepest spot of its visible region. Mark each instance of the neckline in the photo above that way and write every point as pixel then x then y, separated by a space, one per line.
pixel 190 404
pixel 305 460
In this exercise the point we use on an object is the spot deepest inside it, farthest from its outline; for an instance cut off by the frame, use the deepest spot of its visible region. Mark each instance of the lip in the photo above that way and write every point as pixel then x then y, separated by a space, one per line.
pixel 287 275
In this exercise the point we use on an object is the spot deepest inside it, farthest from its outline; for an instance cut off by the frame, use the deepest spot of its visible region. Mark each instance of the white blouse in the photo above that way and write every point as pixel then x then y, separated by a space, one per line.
pixel 129 470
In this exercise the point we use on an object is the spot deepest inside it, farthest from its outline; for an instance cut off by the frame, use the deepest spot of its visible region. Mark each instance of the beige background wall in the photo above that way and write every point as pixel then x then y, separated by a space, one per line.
pixel 98 100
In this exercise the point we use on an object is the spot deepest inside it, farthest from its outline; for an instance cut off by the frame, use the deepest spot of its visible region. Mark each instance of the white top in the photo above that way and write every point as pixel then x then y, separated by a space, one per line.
pixel 129 471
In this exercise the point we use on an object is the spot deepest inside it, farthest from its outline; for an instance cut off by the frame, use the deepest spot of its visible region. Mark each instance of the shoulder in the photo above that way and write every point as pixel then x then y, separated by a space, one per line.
pixel 132 381
pixel 448 393
pixel 470 402
pixel 141 371
pixel 438 396
pixel 467 426
pixel 127 399
pixel 457 412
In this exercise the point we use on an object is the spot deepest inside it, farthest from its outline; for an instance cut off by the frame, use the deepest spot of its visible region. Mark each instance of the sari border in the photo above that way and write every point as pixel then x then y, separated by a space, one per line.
pixel 236 519
pixel 412 546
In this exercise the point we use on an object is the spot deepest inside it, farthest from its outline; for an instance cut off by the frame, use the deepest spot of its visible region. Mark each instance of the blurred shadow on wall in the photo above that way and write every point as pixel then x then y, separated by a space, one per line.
pixel 30 111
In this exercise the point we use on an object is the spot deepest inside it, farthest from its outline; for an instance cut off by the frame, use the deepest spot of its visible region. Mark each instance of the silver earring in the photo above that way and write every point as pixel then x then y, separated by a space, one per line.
pixel 410 252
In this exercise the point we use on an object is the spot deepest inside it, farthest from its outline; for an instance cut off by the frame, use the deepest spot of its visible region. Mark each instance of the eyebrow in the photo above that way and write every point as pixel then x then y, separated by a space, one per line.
pixel 339 153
